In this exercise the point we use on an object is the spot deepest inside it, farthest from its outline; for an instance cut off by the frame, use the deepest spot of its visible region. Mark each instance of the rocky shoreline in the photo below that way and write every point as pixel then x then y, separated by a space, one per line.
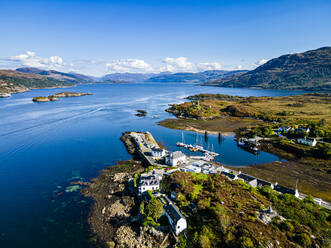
pixel 9 88
pixel 115 219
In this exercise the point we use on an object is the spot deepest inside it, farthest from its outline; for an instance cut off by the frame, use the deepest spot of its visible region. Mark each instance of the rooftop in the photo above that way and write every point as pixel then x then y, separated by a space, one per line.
pixel 177 154
pixel 173 212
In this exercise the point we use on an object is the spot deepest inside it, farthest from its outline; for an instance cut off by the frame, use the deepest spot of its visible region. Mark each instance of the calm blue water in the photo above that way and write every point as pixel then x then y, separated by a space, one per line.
pixel 45 146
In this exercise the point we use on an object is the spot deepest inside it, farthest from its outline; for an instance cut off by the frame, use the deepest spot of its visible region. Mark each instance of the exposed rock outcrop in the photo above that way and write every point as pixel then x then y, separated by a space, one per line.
pixel 115 218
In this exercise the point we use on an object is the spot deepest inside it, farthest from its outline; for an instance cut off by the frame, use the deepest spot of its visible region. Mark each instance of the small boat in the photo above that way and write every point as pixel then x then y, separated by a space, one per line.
pixel 242 142
pixel 155 116
pixel 5 95
pixel 192 149
pixel 180 144
pixel 198 147
pixel 249 145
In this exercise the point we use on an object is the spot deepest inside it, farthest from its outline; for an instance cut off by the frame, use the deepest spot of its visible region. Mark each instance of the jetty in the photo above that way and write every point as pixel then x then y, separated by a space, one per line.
pixel 196 148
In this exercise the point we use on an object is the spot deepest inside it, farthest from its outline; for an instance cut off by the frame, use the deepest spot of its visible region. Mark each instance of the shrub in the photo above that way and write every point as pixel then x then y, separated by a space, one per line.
pixel 206 237
pixel 142 208
pixel 304 239
pixel 151 222
pixel 204 203
pixel 246 242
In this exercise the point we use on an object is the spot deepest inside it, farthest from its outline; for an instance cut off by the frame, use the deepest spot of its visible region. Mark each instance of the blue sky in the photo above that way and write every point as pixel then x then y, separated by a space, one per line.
pixel 97 37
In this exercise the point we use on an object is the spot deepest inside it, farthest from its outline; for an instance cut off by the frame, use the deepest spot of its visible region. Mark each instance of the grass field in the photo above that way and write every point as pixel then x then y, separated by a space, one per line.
pixel 224 113
pixel 300 107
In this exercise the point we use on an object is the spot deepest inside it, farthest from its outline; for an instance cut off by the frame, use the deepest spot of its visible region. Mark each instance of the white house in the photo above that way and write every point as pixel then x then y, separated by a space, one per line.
pixel 303 130
pixel 191 168
pixel 175 158
pixel 158 152
pixel 307 142
pixel 176 220
pixel 286 129
pixel 158 174
pixel 150 182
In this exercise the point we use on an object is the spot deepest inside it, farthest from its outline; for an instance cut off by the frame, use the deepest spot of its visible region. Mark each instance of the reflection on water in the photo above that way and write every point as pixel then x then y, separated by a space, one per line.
pixel 45 146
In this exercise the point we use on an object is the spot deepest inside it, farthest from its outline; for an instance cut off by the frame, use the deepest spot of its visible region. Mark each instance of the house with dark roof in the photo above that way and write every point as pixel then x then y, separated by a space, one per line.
pixel 262 183
pixel 252 181
pixel 285 190
pixel 229 175
pixel 306 141
pixel 150 182
pixel 176 220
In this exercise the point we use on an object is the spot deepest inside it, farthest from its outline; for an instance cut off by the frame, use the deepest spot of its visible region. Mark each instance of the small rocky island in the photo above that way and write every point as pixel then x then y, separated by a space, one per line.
pixel 141 113
pixel 58 95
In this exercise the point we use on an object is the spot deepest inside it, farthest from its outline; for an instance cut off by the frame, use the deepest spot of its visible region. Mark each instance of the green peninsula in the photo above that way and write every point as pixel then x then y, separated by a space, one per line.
pixel 295 128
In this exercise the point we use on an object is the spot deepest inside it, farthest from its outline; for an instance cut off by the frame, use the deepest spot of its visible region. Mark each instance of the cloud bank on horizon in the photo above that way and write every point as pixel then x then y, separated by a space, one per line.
pixel 97 67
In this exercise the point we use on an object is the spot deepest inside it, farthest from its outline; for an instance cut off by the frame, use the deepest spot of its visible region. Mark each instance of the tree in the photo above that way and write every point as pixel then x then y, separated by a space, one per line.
pixel 154 208
pixel 322 123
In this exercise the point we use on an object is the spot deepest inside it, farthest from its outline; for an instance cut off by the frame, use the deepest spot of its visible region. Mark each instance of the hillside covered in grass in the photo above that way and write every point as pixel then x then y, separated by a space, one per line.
pixel 228 214
pixel 310 70
pixel 313 106
pixel 14 81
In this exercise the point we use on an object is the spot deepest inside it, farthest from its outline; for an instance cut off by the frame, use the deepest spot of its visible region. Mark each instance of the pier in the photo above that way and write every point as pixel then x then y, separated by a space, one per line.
pixel 197 148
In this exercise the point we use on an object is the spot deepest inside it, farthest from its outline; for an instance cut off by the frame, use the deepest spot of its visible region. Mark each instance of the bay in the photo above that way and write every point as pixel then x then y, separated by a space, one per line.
pixel 45 146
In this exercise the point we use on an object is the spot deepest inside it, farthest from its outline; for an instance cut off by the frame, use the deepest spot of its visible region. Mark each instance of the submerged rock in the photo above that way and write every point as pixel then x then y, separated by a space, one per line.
pixel 72 188
pixel 141 113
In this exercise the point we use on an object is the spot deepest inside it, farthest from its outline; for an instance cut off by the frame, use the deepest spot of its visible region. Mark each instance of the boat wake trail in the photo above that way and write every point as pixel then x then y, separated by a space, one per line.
pixel 52 122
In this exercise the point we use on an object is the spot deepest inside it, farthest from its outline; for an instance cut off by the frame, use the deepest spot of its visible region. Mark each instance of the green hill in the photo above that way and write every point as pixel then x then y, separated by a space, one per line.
pixel 14 81
pixel 310 70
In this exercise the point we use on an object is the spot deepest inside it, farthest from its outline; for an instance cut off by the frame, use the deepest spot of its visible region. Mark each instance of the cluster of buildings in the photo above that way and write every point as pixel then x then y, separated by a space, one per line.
pixel 151 181
pixel 161 158
pixel 301 130
pixel 287 129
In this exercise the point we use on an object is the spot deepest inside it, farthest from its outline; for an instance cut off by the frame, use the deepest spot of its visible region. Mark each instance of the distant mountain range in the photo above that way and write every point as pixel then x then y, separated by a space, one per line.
pixel 310 70
pixel 198 77
pixel 23 79
pixel 130 77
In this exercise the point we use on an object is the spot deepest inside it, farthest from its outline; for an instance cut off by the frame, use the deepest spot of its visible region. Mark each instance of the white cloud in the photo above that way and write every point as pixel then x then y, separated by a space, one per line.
pixel 260 62
pixel 98 67
pixel 30 59
pixel 129 65
pixel 239 67
pixel 182 64
pixel 209 66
